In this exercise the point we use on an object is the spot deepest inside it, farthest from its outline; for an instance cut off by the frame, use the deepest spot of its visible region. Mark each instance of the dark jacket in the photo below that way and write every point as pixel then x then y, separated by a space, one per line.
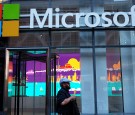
pixel 68 109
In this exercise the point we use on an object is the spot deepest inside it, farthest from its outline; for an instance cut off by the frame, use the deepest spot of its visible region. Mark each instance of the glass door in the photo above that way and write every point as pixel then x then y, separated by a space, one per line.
pixel 25 82
pixel 53 83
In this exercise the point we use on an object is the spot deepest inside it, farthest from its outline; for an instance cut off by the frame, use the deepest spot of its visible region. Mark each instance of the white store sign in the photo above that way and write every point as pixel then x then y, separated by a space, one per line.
pixel 102 19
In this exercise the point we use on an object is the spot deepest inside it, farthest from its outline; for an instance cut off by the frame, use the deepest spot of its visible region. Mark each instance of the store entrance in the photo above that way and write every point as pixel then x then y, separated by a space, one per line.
pixel 30 82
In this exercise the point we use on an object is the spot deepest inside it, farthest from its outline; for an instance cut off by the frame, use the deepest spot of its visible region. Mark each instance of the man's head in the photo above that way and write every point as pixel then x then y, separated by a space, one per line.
pixel 65 83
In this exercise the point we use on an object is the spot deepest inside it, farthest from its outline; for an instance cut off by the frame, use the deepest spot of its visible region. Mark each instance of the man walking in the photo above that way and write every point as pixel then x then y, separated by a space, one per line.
pixel 66 104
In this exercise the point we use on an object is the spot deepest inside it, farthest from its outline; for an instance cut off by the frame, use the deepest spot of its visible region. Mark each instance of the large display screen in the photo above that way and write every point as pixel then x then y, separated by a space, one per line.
pixel 114 73
pixel 68 65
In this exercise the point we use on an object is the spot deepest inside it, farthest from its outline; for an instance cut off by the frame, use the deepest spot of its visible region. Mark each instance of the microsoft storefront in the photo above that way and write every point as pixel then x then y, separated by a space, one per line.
pixel 91 42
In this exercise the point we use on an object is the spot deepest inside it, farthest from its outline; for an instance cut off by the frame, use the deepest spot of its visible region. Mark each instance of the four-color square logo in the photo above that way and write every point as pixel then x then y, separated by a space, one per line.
pixel 9 20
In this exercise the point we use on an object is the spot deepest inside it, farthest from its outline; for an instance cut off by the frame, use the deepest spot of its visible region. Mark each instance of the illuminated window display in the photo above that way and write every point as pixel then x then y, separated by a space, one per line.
pixel 68 66
pixel 114 73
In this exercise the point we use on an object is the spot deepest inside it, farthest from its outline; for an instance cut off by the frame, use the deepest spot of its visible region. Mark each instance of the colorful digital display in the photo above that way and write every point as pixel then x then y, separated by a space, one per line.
pixel 68 65
pixel 114 73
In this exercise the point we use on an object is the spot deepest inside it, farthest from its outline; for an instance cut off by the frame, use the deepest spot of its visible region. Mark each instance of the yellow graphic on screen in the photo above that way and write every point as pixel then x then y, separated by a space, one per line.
pixel 74 63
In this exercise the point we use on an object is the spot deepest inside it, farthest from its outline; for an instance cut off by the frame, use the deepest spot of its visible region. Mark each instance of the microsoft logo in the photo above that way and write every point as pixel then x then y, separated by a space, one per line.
pixel 9 20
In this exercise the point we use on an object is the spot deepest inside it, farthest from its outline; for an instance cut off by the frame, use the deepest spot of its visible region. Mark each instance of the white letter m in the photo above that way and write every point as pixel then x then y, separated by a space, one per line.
pixel 33 12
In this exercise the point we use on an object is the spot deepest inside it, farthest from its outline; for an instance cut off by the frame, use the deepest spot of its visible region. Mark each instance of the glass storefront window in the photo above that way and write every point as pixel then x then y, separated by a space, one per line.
pixel 71 39
pixel 107 37
pixel 65 38
pixel 128 78
pixel 87 81
pixel 113 37
pixel 68 65
pixel 115 80
pixel 127 37
pixel 101 81
pixel 30 39
pixel 99 61
pixel 109 82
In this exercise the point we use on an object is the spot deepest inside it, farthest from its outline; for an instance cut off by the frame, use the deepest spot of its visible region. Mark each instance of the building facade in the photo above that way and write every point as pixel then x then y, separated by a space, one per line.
pixel 91 42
